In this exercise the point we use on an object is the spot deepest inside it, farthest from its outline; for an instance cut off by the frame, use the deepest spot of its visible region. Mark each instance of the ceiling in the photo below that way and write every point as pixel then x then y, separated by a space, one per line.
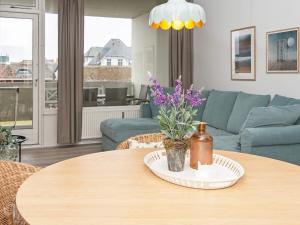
pixel 119 8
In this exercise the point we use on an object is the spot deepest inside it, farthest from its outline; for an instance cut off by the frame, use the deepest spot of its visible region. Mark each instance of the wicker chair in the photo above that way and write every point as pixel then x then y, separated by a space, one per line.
pixel 12 175
pixel 156 137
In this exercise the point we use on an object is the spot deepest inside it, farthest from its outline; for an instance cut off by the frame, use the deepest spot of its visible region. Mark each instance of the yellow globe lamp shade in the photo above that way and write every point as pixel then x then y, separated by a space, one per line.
pixel 177 25
pixel 190 24
pixel 199 24
pixel 177 14
pixel 155 26
pixel 165 25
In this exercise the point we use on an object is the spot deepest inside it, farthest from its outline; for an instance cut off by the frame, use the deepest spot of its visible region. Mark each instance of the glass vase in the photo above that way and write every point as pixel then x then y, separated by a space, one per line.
pixel 176 152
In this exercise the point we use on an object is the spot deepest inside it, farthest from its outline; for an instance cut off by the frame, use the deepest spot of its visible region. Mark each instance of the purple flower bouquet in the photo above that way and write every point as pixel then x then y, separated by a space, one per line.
pixel 176 118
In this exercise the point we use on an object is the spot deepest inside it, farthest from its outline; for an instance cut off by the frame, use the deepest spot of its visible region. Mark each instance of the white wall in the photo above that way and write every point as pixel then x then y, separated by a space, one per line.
pixel 212 44
pixel 150 51
pixel 49 130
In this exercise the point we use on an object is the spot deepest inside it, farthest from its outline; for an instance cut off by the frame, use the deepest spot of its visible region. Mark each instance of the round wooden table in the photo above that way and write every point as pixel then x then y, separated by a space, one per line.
pixel 116 188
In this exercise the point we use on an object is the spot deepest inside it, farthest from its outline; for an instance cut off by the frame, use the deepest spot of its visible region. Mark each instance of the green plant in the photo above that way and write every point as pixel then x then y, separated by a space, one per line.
pixel 6 137
pixel 177 110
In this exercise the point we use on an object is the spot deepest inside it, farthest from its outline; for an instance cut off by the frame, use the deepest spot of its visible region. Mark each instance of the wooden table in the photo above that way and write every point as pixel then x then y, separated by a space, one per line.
pixel 115 188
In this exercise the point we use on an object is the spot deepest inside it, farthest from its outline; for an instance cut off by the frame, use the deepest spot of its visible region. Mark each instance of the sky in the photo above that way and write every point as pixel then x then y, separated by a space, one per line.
pixel 16 38
pixel 16 35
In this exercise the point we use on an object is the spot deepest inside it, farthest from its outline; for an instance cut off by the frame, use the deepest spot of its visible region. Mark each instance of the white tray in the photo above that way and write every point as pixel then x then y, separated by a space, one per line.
pixel 223 173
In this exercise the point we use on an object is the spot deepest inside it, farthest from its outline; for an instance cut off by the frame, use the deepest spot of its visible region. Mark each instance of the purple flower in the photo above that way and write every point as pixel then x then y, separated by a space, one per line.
pixel 177 94
pixel 193 97
pixel 157 92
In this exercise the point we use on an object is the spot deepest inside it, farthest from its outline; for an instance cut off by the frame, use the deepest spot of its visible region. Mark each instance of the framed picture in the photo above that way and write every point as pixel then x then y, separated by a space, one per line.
pixel 243 54
pixel 283 51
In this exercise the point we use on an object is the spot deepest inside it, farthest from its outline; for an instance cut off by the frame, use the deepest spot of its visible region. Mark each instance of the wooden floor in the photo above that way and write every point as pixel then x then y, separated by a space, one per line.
pixel 44 157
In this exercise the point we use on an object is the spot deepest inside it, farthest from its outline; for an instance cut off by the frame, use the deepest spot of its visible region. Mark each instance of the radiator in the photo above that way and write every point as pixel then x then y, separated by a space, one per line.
pixel 93 116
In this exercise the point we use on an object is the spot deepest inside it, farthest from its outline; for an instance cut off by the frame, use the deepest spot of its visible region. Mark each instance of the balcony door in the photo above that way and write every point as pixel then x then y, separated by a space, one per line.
pixel 19 70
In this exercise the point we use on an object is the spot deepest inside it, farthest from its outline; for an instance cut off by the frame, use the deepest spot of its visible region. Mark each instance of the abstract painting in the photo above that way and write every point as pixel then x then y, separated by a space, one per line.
pixel 243 54
pixel 282 51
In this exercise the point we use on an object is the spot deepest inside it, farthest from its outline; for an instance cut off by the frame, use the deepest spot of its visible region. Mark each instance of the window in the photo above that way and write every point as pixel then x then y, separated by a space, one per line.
pixel 51 55
pixel 120 62
pixel 107 51
pixel 108 62
pixel 16 71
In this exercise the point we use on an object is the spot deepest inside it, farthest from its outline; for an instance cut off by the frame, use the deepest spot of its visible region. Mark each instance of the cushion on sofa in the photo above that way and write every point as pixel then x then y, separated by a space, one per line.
pixel 218 108
pixel 279 100
pixel 272 116
pixel 244 103
pixel 217 132
pixel 120 129
pixel 145 110
pixel 230 143
pixel 205 95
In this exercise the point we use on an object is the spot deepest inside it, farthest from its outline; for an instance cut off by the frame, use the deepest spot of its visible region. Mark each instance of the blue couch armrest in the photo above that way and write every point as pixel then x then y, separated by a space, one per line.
pixel 270 136
pixel 145 110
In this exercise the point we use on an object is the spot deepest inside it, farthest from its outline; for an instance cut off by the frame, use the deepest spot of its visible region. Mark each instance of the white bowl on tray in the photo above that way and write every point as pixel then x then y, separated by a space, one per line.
pixel 223 173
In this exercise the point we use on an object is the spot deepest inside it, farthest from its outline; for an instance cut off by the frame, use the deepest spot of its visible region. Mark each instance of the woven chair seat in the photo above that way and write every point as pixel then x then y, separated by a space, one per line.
pixel 144 138
pixel 12 175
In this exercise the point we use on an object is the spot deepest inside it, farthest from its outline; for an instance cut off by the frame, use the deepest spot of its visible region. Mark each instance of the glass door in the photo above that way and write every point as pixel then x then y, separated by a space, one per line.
pixel 19 74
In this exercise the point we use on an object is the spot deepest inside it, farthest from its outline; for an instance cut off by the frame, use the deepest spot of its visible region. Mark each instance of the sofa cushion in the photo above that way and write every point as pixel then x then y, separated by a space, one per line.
pixel 272 116
pixel 279 100
pixel 244 103
pixel 230 143
pixel 205 95
pixel 218 108
pixel 120 129
pixel 217 132
pixel 145 110
pixel 270 136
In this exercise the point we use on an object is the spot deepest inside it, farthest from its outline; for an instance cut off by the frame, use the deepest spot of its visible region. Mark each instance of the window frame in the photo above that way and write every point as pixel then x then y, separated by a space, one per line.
pixel 20 7
pixel 108 62
pixel 120 62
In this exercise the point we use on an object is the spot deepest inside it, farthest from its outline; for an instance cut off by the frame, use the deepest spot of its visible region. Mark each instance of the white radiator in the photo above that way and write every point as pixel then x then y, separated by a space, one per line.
pixel 93 116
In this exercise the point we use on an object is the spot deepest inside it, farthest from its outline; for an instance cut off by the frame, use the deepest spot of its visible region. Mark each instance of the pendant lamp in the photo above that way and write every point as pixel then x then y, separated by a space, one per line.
pixel 177 14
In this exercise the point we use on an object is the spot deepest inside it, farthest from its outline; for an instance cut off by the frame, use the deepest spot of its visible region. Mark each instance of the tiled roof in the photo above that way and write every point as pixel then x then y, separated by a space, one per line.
pixel 93 52
pixel 114 48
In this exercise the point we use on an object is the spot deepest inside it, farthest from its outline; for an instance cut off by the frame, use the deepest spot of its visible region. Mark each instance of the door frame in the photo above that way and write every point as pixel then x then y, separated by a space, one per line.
pixel 32 135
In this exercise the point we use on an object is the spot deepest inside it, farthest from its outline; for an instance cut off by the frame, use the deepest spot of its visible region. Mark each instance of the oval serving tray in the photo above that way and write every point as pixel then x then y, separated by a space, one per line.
pixel 223 173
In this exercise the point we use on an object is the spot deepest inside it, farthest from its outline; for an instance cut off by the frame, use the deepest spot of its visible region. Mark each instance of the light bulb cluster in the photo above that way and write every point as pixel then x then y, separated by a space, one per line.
pixel 177 14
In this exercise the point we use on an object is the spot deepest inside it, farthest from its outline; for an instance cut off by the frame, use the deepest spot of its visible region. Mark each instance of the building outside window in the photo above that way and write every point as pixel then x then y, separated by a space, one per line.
pixel 107 57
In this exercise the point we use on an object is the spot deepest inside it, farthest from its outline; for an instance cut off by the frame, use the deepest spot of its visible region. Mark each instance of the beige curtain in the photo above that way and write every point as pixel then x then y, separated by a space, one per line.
pixel 181 57
pixel 70 78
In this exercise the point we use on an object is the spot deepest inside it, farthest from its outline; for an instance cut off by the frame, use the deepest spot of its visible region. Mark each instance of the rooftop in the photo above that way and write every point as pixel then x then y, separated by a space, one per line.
pixel 113 48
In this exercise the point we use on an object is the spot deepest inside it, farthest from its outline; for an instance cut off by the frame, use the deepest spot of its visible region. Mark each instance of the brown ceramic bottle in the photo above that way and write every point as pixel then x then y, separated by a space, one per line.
pixel 201 147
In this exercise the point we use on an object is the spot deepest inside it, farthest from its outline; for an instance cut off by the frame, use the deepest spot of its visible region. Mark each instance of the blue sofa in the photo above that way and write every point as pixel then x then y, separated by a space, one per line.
pixel 237 121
